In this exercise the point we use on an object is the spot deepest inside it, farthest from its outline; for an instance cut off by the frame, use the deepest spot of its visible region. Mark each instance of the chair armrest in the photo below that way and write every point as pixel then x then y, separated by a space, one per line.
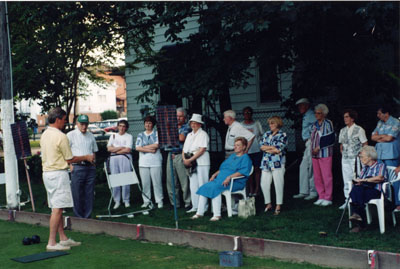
pixel 233 179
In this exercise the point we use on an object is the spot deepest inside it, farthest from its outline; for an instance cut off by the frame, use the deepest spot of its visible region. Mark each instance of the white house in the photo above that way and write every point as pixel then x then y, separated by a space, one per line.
pixel 256 95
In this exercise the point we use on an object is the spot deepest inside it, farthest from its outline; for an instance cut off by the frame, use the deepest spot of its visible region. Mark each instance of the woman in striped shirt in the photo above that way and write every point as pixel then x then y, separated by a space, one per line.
pixel 367 187
pixel 322 151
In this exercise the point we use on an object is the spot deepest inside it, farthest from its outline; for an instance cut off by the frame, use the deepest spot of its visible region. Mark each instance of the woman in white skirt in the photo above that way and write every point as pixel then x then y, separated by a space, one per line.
pixel 150 161
pixel 273 144
pixel 195 154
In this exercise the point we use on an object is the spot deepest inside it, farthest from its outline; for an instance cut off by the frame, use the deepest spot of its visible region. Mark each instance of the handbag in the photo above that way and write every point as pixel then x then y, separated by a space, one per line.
pixel 193 168
pixel 247 207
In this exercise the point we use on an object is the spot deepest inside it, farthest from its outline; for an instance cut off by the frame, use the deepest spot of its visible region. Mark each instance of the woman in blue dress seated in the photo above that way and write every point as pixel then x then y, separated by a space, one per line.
pixel 367 187
pixel 237 165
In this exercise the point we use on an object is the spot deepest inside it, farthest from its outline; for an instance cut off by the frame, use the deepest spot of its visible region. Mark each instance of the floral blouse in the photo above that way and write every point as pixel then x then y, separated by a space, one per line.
pixel 271 161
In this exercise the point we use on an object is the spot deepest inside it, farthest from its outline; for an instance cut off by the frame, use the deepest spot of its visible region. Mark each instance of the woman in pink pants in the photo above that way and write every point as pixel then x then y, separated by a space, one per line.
pixel 322 140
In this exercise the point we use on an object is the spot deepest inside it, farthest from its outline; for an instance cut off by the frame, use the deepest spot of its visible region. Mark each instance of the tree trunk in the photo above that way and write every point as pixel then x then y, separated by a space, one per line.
pixel 7 113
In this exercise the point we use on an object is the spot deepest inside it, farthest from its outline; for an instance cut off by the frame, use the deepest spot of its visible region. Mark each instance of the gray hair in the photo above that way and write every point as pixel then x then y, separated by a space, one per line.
pixel 56 113
pixel 370 151
pixel 323 108
pixel 181 109
pixel 230 113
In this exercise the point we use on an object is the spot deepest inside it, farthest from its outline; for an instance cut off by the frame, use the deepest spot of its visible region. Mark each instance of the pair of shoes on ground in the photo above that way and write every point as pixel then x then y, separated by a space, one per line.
pixel 215 218
pixel 305 196
pixel 269 208
pixel 322 202
pixel 63 245
pixel 117 205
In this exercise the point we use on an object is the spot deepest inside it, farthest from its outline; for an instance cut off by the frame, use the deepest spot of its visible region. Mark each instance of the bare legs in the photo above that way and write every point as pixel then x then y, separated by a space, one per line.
pixel 56 225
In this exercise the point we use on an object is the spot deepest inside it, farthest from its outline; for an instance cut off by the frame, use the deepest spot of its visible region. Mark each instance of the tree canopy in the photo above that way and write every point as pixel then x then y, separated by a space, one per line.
pixel 343 52
pixel 54 44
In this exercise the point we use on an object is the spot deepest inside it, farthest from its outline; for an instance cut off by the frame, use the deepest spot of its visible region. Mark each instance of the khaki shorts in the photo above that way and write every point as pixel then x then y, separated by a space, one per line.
pixel 58 188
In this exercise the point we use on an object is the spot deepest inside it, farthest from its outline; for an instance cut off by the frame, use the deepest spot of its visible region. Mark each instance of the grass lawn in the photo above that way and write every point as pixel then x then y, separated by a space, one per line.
pixel 299 221
pixel 102 251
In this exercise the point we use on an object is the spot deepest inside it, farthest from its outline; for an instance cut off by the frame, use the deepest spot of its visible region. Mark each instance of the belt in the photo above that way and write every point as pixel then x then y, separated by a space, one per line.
pixel 83 164
pixel 229 150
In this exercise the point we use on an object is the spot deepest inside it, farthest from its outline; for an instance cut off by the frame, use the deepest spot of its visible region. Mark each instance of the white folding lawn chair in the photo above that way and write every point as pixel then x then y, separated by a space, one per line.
pixel 393 179
pixel 228 193
pixel 118 180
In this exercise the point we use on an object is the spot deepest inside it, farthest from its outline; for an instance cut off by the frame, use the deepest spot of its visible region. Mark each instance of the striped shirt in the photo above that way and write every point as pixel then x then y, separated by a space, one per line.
pixel 82 143
pixel 377 169
pixel 317 132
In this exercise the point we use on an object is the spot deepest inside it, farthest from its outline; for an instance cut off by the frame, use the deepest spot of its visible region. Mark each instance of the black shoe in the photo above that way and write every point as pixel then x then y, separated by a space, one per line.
pixel 188 207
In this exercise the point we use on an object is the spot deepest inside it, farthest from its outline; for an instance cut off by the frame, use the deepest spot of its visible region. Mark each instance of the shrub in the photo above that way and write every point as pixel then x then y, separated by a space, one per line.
pixel 109 115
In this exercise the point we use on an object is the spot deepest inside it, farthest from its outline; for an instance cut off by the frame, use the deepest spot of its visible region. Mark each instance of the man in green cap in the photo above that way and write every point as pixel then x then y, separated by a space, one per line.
pixel 83 174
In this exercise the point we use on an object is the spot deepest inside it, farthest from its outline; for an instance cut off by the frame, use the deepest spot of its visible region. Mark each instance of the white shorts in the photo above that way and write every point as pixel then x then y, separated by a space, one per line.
pixel 58 188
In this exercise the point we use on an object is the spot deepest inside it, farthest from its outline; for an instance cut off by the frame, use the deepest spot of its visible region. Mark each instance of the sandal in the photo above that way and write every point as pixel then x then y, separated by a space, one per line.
pixel 268 208
pixel 277 212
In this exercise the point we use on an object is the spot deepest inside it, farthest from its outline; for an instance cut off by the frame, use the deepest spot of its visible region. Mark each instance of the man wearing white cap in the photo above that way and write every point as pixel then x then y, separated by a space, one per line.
pixel 83 174
pixel 195 155
pixel 235 129
pixel 306 178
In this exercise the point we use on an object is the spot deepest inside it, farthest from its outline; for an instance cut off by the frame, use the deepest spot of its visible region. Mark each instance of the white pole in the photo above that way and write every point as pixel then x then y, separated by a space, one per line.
pixel 7 112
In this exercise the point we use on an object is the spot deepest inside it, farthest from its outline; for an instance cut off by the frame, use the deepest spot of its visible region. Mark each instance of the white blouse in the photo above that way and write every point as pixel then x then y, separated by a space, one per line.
pixel 195 141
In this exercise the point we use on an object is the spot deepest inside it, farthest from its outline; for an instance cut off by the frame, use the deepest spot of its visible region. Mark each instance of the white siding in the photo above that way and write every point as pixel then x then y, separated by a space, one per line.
pixel 240 97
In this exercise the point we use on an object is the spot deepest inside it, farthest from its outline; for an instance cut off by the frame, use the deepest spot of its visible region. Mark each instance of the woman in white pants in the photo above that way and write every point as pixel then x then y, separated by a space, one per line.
pixel 273 144
pixel 351 138
pixel 150 161
pixel 196 146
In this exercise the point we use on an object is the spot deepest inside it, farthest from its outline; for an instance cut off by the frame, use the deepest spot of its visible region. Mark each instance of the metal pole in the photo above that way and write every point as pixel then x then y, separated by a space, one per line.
pixel 173 189
pixel 7 112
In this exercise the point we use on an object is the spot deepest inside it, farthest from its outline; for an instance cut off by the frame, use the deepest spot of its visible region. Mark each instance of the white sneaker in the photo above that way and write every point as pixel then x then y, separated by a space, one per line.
pixel 310 197
pixel 160 205
pixel 127 204
pixel 117 204
pixel 326 203
pixel 145 205
pixel 57 247
pixel 70 243
pixel 192 210
pixel 318 202
pixel 342 207
pixel 300 195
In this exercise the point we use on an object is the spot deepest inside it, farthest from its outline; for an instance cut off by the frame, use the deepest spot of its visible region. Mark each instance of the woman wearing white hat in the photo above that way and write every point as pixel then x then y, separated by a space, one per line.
pixel 195 154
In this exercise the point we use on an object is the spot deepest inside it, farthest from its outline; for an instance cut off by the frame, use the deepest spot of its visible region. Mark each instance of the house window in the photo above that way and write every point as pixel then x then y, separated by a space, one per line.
pixel 268 83
pixel 102 98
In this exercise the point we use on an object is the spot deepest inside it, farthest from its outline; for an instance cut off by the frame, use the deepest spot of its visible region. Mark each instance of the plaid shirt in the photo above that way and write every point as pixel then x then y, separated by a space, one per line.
pixel 185 130
pixel 377 169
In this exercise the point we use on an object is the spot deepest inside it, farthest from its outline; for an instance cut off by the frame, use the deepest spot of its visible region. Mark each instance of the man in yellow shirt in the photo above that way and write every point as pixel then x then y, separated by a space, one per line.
pixel 56 156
